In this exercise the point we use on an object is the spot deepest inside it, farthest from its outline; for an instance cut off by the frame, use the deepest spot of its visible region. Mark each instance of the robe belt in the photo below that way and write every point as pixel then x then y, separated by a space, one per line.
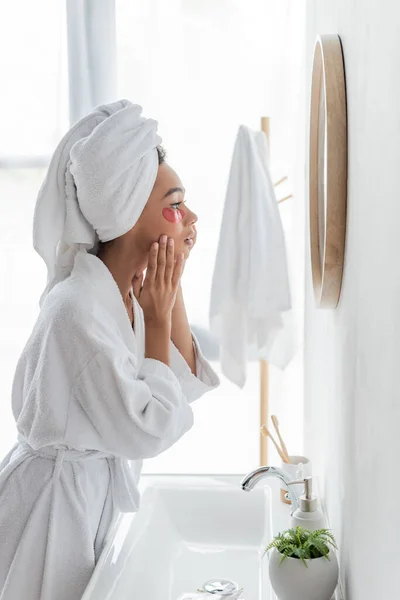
pixel 123 479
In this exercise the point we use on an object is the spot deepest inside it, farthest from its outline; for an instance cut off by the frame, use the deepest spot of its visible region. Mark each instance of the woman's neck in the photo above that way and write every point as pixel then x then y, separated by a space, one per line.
pixel 123 268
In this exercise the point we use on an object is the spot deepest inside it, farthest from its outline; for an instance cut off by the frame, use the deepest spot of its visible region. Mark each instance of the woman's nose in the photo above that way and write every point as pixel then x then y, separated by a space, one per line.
pixel 192 218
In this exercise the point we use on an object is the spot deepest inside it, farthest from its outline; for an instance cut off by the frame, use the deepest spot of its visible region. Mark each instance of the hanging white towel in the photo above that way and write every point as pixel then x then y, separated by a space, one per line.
pixel 250 296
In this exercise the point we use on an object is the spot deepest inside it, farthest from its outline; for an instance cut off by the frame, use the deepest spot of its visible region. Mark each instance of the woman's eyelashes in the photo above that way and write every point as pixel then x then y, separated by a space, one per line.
pixel 176 205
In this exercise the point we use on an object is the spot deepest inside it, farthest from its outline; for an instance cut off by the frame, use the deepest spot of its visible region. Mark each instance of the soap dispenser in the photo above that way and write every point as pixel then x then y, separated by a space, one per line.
pixel 308 514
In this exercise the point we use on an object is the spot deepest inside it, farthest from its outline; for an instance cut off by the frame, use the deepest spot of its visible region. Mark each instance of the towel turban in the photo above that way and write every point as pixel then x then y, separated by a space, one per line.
pixel 97 185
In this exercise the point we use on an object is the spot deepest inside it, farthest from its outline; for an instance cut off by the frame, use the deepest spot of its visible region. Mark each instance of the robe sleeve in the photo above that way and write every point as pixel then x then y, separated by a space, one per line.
pixel 193 386
pixel 132 413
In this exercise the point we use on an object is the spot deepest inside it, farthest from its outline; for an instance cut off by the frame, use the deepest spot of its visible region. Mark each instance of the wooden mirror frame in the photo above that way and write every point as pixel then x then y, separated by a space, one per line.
pixel 327 255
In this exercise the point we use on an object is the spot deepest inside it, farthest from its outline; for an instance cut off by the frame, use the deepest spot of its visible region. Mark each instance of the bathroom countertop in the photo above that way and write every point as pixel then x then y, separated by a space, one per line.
pixel 280 512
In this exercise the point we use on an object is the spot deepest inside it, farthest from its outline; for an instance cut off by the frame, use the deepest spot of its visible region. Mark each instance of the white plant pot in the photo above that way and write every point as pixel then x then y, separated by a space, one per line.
pixel 292 580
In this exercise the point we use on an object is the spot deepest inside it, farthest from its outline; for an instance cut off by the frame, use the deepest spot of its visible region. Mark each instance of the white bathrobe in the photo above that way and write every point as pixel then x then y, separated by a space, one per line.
pixel 89 408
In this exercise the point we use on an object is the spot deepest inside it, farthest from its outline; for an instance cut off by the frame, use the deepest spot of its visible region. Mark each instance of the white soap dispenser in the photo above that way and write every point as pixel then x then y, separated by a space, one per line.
pixel 308 514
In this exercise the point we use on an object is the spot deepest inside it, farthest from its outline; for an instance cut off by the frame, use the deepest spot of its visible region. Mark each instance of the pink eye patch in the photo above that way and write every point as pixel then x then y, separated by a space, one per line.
pixel 173 216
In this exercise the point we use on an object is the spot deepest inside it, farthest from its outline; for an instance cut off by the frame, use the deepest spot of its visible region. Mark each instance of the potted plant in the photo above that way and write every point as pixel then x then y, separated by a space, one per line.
pixel 302 565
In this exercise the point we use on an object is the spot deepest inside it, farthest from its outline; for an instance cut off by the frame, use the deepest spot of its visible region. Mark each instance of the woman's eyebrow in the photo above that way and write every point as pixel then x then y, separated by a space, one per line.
pixel 173 190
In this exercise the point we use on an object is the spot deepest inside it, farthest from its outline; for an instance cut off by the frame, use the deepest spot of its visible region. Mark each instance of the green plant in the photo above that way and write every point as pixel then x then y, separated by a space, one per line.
pixel 303 544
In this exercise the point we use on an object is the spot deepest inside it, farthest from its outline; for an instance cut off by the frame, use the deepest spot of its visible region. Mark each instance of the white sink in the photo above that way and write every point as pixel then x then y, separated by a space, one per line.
pixel 189 529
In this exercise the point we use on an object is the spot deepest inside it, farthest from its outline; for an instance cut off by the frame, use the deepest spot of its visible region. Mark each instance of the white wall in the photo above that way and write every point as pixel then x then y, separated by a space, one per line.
pixel 352 354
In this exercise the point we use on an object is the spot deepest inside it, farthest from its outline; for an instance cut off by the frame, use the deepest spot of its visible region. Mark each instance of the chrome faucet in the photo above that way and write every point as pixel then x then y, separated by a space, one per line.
pixel 252 478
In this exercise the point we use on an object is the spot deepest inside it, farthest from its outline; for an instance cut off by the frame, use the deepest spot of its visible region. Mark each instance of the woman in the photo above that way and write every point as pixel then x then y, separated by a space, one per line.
pixel 110 369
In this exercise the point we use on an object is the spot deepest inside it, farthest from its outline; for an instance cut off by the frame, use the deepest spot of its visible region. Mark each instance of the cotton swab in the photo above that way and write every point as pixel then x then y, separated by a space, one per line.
pixel 265 431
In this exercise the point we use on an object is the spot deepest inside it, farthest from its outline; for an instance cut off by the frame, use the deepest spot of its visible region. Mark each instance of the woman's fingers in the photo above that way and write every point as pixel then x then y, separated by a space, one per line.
pixel 158 294
pixel 169 267
pixel 162 258
pixel 162 265
pixel 177 270
pixel 152 264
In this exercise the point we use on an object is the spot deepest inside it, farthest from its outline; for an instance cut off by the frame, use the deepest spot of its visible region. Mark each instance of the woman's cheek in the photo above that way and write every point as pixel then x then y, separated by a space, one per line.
pixel 173 216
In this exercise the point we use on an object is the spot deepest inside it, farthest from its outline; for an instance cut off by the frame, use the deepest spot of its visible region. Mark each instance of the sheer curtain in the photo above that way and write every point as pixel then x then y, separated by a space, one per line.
pixel 200 69
pixel 91 55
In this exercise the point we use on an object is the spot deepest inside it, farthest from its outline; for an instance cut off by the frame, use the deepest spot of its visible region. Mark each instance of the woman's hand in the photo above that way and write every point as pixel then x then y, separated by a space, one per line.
pixel 158 293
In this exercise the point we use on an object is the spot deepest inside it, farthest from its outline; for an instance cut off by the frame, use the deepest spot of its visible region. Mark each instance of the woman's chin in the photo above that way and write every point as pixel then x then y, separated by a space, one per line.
pixel 185 248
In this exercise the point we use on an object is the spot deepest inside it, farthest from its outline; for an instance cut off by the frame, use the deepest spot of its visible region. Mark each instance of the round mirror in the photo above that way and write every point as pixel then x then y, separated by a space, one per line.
pixel 321 176
pixel 328 170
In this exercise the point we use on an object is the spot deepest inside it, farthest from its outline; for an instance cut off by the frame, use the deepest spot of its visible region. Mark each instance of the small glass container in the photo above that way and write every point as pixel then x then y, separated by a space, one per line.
pixel 298 468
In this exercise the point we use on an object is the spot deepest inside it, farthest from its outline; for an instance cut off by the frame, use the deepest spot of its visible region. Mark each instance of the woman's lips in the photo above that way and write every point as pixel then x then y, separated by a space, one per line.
pixel 191 240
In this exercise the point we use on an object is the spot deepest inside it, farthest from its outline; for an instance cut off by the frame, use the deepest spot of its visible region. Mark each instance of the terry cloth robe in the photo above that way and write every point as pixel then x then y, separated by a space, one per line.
pixel 89 408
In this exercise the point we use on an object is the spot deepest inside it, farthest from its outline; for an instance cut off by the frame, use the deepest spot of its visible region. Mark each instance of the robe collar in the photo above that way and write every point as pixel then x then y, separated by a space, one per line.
pixel 107 292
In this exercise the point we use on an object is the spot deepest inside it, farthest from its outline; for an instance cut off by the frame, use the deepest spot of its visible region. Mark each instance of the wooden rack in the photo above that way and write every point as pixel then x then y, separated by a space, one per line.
pixel 264 366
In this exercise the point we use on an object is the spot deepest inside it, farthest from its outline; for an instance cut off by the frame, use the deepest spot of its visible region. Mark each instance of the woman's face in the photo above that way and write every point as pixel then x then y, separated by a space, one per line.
pixel 166 213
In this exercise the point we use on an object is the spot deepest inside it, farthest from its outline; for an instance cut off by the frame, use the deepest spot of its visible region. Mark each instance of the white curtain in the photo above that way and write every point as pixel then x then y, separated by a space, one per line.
pixel 201 69
pixel 91 55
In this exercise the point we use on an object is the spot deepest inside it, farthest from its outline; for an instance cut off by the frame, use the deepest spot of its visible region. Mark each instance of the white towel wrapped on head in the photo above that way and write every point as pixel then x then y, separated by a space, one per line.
pixel 97 185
